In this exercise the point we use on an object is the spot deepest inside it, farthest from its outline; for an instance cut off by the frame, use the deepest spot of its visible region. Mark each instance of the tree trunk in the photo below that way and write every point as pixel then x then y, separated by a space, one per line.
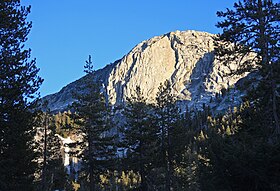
pixel 91 167
pixel 142 170
pixel 274 108
pixel 165 156
pixel 91 181
pixel 44 170
pixel 265 63
pixel 168 162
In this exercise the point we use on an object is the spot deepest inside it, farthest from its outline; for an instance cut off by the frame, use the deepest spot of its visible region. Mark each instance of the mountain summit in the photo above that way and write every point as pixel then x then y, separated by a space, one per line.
pixel 186 58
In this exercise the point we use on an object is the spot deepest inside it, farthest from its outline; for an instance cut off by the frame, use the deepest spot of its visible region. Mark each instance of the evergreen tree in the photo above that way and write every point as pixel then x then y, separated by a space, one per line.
pixel 52 175
pixel 235 154
pixel 140 138
pixel 252 28
pixel 185 154
pixel 19 83
pixel 167 114
pixel 251 39
pixel 92 117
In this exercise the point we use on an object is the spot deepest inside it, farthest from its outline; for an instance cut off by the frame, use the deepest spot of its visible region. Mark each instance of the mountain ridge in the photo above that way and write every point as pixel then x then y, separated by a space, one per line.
pixel 186 58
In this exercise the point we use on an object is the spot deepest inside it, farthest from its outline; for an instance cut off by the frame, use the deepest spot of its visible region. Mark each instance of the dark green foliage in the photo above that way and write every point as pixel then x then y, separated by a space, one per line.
pixel 140 138
pixel 51 173
pixel 253 28
pixel 159 142
pixel 242 152
pixel 88 66
pixel 18 86
pixel 184 154
pixel 167 116
pixel 164 149
pixel 243 159
pixel 93 119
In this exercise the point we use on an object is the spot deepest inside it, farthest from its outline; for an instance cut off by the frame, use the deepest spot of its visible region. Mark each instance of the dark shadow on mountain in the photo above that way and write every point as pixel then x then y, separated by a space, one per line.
pixel 120 87
pixel 201 97
pixel 200 73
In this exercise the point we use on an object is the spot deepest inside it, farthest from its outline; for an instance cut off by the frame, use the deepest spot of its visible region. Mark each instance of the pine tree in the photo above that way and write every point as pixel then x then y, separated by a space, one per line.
pixel 236 154
pixel 252 28
pixel 92 117
pixel 185 156
pixel 140 137
pixel 167 114
pixel 52 175
pixel 19 83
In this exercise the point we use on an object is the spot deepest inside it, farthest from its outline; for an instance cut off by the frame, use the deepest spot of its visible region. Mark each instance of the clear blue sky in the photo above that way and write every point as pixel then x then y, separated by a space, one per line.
pixel 65 32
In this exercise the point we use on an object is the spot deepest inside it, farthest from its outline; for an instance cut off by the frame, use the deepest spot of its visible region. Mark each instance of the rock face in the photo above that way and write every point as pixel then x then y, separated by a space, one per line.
pixel 185 58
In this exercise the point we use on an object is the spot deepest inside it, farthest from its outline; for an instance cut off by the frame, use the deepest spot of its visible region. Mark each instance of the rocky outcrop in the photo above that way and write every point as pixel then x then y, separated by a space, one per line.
pixel 185 58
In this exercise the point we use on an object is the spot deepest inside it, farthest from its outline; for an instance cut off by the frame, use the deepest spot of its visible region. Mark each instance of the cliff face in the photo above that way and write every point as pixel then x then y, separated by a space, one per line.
pixel 186 58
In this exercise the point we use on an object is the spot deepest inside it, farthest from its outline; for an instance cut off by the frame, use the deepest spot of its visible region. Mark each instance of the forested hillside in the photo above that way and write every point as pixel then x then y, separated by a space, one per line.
pixel 204 116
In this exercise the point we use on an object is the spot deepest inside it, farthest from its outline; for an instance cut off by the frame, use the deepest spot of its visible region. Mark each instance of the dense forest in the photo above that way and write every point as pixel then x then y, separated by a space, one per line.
pixel 144 146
